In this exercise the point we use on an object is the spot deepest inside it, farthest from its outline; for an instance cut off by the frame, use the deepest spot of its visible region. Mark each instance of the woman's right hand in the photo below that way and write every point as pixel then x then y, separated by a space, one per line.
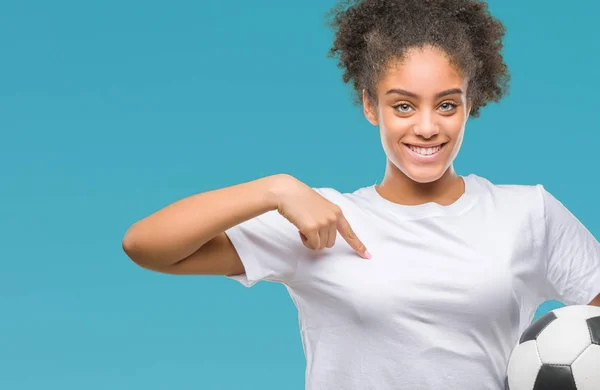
pixel 318 220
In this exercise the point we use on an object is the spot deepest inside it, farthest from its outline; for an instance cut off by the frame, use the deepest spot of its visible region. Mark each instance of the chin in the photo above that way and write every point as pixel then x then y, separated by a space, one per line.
pixel 424 175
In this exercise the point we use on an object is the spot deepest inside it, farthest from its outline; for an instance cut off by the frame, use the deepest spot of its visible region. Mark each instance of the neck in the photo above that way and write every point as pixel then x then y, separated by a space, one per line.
pixel 399 188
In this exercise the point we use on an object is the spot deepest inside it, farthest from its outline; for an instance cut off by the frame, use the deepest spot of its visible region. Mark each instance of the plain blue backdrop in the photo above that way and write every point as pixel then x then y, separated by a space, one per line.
pixel 112 109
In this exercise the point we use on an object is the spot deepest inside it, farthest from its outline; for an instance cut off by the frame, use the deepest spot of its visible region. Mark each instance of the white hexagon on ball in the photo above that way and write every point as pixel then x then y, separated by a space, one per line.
pixel 563 340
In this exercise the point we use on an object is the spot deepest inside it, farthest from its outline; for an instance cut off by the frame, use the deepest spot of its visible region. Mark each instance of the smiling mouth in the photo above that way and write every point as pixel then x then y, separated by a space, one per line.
pixel 426 152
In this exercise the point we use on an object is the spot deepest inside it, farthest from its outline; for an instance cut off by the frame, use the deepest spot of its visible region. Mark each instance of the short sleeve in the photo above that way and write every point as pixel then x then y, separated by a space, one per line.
pixel 269 246
pixel 571 254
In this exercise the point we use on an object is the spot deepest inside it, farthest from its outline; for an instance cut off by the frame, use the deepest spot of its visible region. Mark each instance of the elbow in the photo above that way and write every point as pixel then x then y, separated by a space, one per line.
pixel 128 246
pixel 132 248
pixel 140 250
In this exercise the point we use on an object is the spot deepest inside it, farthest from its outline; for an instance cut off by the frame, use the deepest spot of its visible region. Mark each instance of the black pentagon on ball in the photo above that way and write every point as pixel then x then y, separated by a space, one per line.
pixel 555 377
pixel 594 325
pixel 534 330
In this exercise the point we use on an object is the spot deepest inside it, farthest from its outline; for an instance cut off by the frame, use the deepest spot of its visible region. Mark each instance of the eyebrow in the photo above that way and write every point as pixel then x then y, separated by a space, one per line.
pixel 413 95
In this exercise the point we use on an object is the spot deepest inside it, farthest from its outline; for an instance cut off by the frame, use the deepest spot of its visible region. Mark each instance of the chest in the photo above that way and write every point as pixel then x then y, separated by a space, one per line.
pixel 427 270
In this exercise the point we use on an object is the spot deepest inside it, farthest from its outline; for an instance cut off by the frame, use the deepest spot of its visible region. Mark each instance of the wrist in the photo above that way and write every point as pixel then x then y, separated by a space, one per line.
pixel 275 189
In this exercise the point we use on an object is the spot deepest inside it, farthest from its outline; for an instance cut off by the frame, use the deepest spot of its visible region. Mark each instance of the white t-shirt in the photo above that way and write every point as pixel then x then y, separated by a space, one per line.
pixel 444 299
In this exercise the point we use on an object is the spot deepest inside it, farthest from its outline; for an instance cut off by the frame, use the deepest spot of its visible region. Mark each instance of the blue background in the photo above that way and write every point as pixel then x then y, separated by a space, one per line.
pixel 112 109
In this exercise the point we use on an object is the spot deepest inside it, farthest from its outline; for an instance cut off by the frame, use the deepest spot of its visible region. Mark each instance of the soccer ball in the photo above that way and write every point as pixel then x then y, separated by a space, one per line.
pixel 558 351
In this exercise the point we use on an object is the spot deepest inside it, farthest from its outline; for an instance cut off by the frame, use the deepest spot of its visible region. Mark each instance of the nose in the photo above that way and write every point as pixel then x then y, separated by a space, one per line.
pixel 426 127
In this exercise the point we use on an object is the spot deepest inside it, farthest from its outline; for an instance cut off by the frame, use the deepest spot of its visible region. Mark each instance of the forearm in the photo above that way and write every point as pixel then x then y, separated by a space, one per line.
pixel 180 229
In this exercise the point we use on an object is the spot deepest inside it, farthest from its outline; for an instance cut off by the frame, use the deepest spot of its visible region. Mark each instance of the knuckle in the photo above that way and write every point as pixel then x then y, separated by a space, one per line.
pixel 337 211
pixel 324 222
pixel 332 219
pixel 311 227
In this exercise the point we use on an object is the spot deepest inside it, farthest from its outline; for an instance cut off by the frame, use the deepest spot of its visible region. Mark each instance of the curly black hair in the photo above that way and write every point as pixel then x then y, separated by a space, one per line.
pixel 369 34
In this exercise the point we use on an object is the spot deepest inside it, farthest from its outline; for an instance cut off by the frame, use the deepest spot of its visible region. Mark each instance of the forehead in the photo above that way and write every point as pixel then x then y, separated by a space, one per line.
pixel 424 71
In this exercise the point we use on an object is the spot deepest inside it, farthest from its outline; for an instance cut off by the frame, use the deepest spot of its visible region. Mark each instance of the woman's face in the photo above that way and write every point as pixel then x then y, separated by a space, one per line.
pixel 421 114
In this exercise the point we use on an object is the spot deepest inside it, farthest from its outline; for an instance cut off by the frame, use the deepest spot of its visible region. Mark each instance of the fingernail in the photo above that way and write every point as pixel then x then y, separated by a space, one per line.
pixel 368 255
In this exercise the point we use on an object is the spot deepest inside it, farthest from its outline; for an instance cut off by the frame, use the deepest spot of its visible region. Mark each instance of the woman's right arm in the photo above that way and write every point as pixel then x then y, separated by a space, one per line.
pixel 187 237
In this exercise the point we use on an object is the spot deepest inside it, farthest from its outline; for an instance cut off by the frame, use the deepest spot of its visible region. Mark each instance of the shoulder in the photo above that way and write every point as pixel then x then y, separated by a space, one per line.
pixel 530 195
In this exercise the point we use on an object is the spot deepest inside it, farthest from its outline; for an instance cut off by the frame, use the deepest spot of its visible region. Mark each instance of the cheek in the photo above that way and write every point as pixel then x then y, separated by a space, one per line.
pixel 392 132
pixel 392 146
pixel 456 132
pixel 393 128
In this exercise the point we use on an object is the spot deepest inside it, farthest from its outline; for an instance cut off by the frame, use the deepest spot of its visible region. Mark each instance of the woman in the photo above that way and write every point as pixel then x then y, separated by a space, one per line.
pixel 435 275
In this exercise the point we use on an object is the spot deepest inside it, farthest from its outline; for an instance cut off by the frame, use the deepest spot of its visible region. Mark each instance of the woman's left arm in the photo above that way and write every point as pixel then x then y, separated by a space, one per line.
pixel 596 301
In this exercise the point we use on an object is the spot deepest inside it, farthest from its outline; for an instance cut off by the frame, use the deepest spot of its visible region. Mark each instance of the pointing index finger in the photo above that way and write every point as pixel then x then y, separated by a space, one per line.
pixel 349 236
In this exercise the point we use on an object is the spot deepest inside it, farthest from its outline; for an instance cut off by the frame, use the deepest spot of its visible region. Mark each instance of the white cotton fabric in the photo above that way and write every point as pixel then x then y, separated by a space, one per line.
pixel 444 299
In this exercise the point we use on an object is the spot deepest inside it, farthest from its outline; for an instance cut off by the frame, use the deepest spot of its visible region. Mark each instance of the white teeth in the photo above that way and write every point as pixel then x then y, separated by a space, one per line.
pixel 425 151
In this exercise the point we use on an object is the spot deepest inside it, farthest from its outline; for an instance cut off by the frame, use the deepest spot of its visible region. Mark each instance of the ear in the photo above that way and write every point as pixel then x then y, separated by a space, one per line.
pixel 369 109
